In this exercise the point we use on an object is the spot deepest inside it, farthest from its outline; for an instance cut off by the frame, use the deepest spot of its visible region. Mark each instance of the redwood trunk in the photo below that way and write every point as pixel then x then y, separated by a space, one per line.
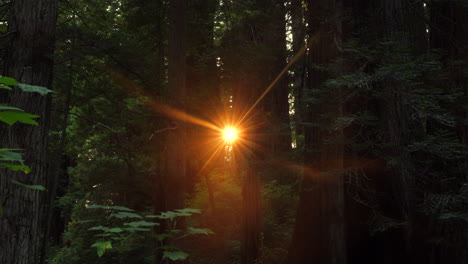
pixel 29 60
pixel 319 234
pixel 175 143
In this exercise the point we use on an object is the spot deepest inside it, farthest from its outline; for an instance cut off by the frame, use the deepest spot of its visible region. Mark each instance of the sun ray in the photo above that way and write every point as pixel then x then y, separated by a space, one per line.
pixel 296 57
pixel 220 146
pixel 223 122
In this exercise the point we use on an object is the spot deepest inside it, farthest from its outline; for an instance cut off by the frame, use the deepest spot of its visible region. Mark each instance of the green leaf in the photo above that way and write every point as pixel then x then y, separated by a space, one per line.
pixel 16 167
pixel 85 221
pixel 173 214
pixel 2 86
pixel 126 215
pixel 133 229
pixel 32 187
pixel 101 247
pixel 116 230
pixel 11 117
pixel 99 228
pixel 107 207
pixel 140 223
pixel 9 155
pixel 175 255
pixel 199 231
pixel 153 216
pixel 34 89
pixel 8 81
pixel 168 215
pixel 189 211
pixel 7 107
pixel 161 237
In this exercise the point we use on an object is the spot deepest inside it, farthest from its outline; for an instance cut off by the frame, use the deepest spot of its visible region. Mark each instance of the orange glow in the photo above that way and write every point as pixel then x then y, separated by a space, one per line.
pixel 230 134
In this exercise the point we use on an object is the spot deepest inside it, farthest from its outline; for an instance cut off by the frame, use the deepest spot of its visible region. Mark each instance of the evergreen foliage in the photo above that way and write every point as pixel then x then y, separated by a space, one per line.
pixel 359 154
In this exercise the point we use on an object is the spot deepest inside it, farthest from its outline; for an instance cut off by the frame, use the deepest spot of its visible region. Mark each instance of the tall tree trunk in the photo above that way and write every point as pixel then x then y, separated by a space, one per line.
pixel 449 34
pixel 251 215
pixel 202 79
pixel 402 21
pixel 278 106
pixel 176 158
pixel 29 60
pixel 319 235
pixel 298 31
pixel 173 180
pixel 248 166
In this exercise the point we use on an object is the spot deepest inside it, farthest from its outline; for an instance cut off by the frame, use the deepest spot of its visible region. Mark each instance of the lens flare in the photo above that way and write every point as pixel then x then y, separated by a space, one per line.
pixel 230 134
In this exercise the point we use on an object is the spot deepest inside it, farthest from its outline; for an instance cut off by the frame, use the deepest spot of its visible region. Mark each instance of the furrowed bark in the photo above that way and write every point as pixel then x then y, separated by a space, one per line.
pixel 29 60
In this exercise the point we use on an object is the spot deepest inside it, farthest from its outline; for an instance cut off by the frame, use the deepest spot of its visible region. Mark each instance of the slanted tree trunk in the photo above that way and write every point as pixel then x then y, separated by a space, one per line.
pixel 29 60
pixel 319 234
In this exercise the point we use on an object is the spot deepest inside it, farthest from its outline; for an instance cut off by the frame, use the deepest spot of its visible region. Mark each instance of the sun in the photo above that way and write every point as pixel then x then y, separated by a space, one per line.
pixel 230 134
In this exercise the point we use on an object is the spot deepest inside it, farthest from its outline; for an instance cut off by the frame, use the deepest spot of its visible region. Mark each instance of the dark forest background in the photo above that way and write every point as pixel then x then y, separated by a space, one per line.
pixel 357 154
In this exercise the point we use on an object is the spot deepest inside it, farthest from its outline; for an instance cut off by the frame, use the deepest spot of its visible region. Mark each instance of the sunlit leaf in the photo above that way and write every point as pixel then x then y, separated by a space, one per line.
pixel 133 229
pixel 10 155
pixel 140 224
pixel 34 89
pixel 189 211
pixel 116 230
pixel 175 255
pixel 168 215
pixel 32 187
pixel 2 86
pixel 107 207
pixel 199 231
pixel 16 167
pixel 126 215
pixel 99 228
pixel 153 216
pixel 10 108
pixel 101 247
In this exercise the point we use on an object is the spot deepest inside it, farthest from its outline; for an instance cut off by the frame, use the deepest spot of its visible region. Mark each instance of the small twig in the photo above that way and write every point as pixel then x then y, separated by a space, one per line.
pixel 87 119
pixel 163 129
pixel 7 33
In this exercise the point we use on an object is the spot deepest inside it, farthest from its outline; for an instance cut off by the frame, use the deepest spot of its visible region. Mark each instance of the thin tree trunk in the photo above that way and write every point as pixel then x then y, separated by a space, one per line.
pixel 298 31
pixel 57 170
pixel 29 60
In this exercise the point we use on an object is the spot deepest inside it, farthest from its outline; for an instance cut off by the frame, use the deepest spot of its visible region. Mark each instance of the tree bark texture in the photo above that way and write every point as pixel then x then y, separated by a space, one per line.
pixel 29 60
pixel 175 148
pixel 319 234
pixel 403 20
pixel 274 35
pixel 202 82
pixel 449 35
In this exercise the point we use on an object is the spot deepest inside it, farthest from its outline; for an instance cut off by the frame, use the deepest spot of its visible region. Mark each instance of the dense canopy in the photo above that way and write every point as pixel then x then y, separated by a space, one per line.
pixel 234 131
